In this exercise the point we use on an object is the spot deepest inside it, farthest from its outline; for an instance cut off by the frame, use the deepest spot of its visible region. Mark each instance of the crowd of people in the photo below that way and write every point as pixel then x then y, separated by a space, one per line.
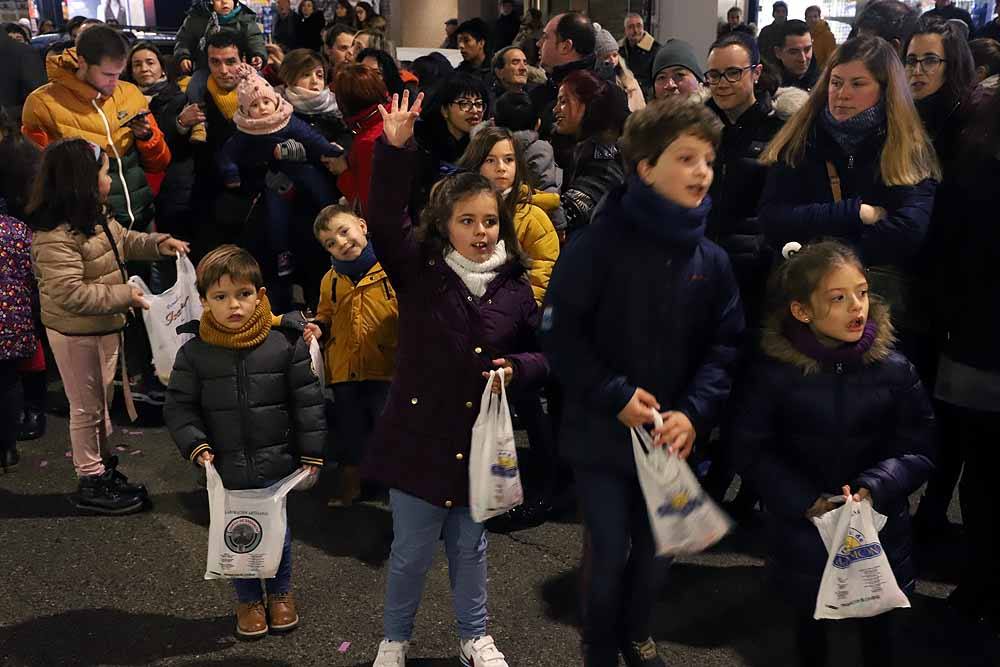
pixel 787 255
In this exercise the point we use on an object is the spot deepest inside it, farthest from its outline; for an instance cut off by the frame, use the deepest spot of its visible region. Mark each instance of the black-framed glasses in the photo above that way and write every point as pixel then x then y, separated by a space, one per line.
pixel 468 105
pixel 731 74
pixel 928 64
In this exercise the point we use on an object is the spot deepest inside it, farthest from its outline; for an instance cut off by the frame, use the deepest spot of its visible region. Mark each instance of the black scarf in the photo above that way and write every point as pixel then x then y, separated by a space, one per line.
pixel 851 133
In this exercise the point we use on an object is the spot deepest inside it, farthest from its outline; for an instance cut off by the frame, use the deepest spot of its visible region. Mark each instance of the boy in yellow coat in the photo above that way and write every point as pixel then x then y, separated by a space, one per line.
pixel 357 324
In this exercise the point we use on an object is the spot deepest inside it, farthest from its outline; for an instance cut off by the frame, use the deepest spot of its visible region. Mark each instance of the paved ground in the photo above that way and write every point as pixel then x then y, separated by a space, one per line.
pixel 80 590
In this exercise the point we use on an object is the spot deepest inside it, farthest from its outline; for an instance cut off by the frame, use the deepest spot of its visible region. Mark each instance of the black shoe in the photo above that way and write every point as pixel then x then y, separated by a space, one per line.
pixel 32 427
pixel 642 654
pixel 149 390
pixel 120 482
pixel 528 515
pixel 97 494
pixel 9 459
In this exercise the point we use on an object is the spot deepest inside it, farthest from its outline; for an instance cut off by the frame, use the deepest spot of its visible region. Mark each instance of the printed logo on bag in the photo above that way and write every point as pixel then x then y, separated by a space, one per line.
pixel 506 465
pixel 175 312
pixel 680 504
pixel 855 549
pixel 243 535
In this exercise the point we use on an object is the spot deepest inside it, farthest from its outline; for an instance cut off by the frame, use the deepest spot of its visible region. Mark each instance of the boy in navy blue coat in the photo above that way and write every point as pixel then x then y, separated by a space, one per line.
pixel 642 314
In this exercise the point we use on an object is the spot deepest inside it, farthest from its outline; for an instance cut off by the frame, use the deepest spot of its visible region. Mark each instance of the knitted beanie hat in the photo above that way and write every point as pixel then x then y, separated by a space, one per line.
pixel 677 53
pixel 253 87
pixel 605 43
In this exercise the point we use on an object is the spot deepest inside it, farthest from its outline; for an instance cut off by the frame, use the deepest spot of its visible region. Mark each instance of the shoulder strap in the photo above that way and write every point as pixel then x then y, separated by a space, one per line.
pixel 831 172
pixel 114 249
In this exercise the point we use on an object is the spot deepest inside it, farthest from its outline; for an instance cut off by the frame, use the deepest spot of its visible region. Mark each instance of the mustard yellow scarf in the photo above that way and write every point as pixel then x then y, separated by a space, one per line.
pixel 226 102
pixel 251 334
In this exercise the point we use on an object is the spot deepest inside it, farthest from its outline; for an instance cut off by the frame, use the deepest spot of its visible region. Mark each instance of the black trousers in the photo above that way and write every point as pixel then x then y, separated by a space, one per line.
pixel 10 403
pixel 627 575
pixel 812 641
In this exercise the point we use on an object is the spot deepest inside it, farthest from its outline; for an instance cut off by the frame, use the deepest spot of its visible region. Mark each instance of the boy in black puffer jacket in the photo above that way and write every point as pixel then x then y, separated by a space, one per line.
pixel 244 395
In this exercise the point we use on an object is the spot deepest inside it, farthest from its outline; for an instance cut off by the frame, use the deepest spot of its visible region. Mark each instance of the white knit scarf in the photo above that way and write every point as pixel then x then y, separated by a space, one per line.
pixel 477 275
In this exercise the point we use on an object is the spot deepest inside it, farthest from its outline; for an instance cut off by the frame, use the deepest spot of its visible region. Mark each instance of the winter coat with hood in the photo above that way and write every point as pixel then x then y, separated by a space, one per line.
pixel 17 289
pixel 798 203
pixel 739 180
pixel 259 410
pixel 67 107
pixel 360 324
pixel 668 320
pixel 447 339
pixel 202 21
pixel 166 101
pixel 803 428
pixel 81 288
pixel 824 43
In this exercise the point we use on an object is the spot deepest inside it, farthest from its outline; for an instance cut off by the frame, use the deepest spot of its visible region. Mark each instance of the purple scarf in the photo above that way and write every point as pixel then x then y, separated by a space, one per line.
pixel 850 354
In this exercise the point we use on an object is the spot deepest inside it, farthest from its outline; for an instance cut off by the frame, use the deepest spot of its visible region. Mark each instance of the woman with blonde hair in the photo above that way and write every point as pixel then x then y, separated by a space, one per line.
pixel 855 165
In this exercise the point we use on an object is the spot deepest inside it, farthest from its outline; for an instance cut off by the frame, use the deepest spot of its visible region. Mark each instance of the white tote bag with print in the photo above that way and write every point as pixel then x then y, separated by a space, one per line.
pixel 683 518
pixel 857 580
pixel 167 311
pixel 247 531
pixel 494 478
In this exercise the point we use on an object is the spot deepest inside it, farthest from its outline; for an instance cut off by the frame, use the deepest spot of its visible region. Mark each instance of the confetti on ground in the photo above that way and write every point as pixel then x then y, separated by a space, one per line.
pixel 128 432
pixel 120 448
pixel 343 647
pixel 68 454
pixel 42 463
pixel 138 451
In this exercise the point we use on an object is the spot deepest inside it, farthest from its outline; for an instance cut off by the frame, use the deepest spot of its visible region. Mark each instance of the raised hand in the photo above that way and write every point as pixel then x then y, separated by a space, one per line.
pixel 397 123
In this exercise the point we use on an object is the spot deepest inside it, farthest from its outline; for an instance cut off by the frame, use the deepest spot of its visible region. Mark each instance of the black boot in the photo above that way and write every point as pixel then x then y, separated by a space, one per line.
pixel 9 459
pixel 32 427
pixel 642 654
pixel 98 494
pixel 120 482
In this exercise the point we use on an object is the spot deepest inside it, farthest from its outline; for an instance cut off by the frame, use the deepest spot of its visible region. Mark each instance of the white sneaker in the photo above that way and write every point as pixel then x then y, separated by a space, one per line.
pixel 481 652
pixel 391 654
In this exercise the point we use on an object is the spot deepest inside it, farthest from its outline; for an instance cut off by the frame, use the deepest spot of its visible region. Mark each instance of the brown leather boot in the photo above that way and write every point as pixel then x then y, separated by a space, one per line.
pixel 251 620
pixel 281 611
pixel 350 487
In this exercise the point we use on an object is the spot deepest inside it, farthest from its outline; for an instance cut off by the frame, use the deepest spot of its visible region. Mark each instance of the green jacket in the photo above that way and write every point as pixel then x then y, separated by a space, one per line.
pixel 139 192
pixel 202 21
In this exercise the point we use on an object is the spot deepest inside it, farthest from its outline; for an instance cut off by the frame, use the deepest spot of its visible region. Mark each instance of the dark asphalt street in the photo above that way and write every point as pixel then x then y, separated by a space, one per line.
pixel 82 590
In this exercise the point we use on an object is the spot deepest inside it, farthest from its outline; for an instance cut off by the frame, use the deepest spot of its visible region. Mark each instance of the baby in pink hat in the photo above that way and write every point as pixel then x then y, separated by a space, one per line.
pixel 278 154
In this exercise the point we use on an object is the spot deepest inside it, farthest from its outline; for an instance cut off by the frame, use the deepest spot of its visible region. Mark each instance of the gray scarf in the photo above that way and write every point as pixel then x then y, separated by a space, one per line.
pixel 851 133
pixel 311 103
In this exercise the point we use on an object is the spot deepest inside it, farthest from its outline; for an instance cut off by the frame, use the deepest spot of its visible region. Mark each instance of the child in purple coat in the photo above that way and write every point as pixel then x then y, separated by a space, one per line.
pixel 465 307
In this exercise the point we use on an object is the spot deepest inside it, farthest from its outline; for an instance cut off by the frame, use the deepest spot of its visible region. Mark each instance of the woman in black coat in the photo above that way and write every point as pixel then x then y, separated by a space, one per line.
pixel 830 405
pixel 309 30
pixel 593 113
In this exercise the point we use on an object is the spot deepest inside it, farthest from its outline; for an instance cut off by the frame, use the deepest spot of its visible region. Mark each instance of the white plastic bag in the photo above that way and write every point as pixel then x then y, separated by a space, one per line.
pixel 494 479
pixel 318 364
pixel 167 311
pixel 857 580
pixel 247 531
pixel 683 518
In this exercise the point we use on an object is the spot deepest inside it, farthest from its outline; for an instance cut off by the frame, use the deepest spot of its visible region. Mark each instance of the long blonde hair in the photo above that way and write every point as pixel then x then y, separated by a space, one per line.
pixel 908 156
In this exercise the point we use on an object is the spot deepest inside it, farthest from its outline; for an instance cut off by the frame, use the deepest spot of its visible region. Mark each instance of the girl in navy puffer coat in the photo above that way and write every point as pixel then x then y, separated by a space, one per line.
pixel 830 410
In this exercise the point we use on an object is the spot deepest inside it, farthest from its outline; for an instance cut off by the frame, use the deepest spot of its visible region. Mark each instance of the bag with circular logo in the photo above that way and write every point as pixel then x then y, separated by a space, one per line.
pixel 683 518
pixel 857 581
pixel 247 530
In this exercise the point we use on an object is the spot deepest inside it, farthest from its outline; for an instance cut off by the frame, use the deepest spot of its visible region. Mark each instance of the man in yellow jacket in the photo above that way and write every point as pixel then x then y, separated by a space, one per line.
pixel 824 43
pixel 85 98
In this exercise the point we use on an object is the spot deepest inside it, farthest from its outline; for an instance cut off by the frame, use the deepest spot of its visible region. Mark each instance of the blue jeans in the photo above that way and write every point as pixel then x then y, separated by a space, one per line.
pixel 249 590
pixel 417 526
pixel 198 86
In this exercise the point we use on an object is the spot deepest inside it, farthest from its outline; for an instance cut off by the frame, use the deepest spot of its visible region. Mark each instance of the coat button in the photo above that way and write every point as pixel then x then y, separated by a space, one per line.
pixel 478 350
pixel 414 400
pixel 460 456
pixel 468 404
pixel 447 503
pixel 469 298
pixel 430 262
pixel 354 375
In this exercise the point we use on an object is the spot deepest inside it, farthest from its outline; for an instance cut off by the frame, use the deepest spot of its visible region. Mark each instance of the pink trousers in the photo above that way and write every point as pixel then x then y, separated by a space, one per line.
pixel 87 367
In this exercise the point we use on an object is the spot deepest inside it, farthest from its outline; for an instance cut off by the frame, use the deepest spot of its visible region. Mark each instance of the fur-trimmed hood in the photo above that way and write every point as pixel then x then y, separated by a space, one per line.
pixel 776 344
pixel 646 43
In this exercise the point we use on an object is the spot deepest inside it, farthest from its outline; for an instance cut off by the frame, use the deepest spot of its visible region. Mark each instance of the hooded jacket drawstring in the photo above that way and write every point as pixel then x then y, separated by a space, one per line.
pixel 118 162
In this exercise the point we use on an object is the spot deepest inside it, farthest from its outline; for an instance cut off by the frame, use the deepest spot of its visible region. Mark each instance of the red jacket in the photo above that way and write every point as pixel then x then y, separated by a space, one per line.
pixel 355 183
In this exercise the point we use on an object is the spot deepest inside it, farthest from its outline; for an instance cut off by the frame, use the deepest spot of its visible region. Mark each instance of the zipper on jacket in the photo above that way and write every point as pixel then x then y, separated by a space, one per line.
pixel 241 391
pixel 850 164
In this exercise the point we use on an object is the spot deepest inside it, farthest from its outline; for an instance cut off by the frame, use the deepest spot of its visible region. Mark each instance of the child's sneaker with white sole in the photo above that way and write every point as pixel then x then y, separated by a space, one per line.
pixel 391 654
pixel 481 652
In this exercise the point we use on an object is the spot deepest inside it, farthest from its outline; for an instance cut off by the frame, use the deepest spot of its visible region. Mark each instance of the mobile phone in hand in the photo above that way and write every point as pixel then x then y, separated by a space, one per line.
pixel 138 116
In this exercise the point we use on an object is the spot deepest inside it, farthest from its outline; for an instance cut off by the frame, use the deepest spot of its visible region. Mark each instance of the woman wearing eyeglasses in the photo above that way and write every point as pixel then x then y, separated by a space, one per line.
pixel 941 75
